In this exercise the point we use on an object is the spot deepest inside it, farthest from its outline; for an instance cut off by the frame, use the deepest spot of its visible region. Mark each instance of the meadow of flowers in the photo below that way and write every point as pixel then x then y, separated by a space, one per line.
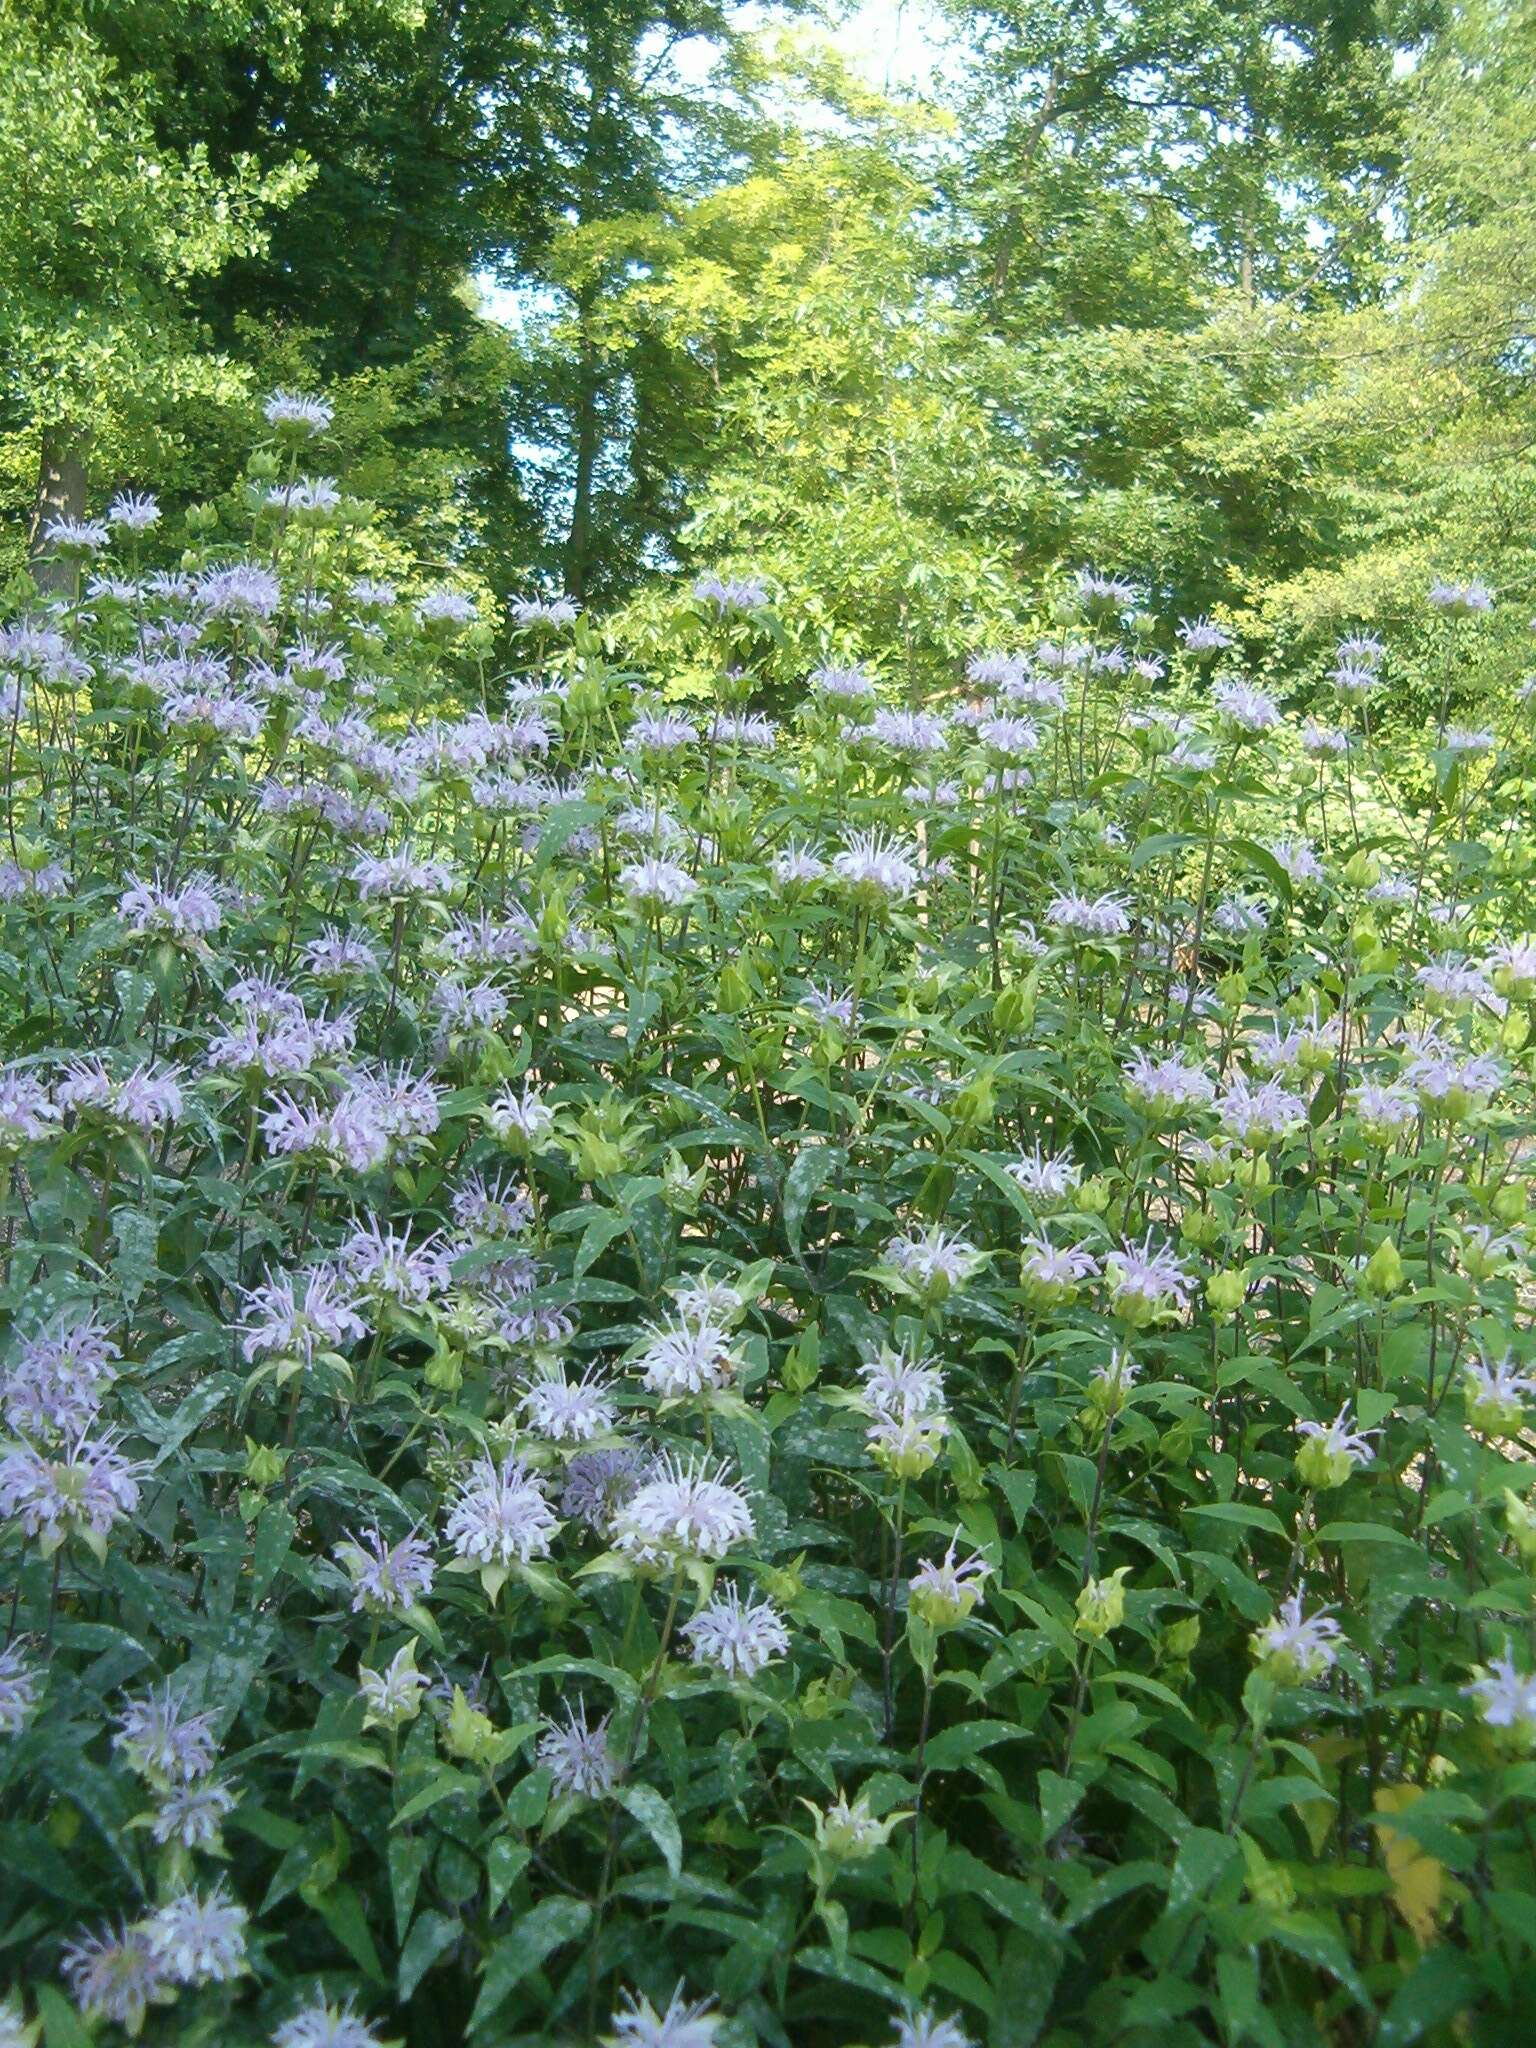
pixel 805 1370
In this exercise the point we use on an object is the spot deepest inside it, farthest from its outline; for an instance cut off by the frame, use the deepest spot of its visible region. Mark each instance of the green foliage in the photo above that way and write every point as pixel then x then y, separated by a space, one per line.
pixel 106 235
pixel 875 1370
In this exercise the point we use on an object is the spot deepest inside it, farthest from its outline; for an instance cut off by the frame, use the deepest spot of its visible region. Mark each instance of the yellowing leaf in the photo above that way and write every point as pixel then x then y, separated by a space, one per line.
pixel 1418 1880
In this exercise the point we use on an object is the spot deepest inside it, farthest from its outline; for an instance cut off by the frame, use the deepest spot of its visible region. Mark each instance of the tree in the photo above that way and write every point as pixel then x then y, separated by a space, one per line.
pixel 102 242
pixel 449 145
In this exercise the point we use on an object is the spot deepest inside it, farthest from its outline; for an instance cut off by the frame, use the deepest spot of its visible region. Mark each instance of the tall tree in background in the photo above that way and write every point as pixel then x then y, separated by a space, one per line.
pixel 106 238
pixel 1124 161
pixel 449 144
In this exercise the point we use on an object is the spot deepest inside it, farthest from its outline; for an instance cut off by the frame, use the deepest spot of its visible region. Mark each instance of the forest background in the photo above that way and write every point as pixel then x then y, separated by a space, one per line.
pixel 1230 296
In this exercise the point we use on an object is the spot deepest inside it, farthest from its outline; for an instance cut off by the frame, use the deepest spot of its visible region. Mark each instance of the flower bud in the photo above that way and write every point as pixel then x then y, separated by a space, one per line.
pixel 1226 1292
pixel 681 1190
pixel 733 992
pixel 1510 1202
pixel 1520 1522
pixel 1382 1275
pixel 467 1733
pixel 847 1833
pixel 444 1370
pixel 1253 1174
pixel 264 1463
pixel 554 922
pixel 1101 1605
pixel 1362 870
pixel 973 1104
pixel 1320 1465
pixel 1176 1644
pixel 1200 1227
pixel 1013 1010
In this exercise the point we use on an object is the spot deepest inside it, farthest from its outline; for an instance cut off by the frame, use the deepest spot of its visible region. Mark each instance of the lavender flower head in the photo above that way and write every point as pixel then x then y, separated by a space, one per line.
pixel 1460 600
pixel 56 1384
pixel 133 512
pixel 498 1517
pixel 117 1977
pixel 685 1512
pixel 84 1491
pixel 947 1592
pixel 384 1266
pixel 1331 1451
pixel 297 416
pixel 185 916
pixel 1245 706
pixel 653 884
pixel 161 1742
pixel 578 1758
pixel 1506 1699
pixel 876 868
pixel 199 1940
pixel 386 1578
pixel 27 1115
pixel 320 2025
pixel 392 1697
pixel 738 1637
pixel 1295 1648
pixel 923 2030
pixel 1147 1282
pixel 1203 636
pixel 296 1315
pixel 191 1816
pixel 21 1687
pixel 732 593
pixel 1095 917
pixel 566 1411
pixel 550 612
pixel 600 1483
pixel 686 1357
pixel 638 2024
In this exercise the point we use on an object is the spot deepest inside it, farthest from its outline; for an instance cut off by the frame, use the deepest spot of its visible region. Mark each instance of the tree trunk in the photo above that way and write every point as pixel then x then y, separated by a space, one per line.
pixel 62 478
pixel 578 545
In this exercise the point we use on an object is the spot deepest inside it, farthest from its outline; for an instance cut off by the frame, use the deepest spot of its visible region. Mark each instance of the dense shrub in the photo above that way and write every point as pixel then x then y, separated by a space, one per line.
pixel 873 1369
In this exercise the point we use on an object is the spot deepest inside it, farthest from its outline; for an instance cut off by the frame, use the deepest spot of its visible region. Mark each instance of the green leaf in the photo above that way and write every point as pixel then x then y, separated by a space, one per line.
pixel 814 1166
pixel 1241 1515
pixel 505 1862
pixel 61 2023
pixel 1203 1857
pixel 431 1936
pixel 444 1784
pixel 408 1858
pixel 275 1529
pixel 1026 1984
pixel 956 1746
pixel 648 1807
pixel 1010 1896
pixel 1364 1532
pixel 600 1230
pixel 538 1933
pixel 342 1911
pixel 1261 858
pixel 1441 1986
pixel 1059 1800
pixel 1159 846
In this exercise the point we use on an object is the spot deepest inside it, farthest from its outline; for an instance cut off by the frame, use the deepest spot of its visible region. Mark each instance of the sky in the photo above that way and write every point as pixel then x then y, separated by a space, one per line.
pixel 891 42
